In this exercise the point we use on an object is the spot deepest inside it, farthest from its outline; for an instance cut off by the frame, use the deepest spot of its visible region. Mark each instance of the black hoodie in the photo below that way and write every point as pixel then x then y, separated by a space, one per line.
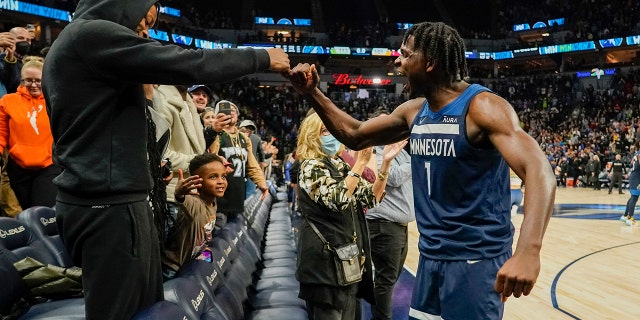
pixel 92 82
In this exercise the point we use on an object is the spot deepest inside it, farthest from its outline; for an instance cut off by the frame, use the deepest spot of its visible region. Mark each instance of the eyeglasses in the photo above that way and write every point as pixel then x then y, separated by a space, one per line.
pixel 406 55
pixel 29 82
pixel 32 58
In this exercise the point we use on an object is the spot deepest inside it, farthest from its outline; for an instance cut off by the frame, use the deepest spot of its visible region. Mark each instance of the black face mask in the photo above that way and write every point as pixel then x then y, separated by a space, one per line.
pixel 22 48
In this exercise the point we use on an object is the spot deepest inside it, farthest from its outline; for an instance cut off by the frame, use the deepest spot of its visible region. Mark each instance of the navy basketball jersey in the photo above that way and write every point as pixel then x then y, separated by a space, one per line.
pixel 635 166
pixel 634 174
pixel 463 199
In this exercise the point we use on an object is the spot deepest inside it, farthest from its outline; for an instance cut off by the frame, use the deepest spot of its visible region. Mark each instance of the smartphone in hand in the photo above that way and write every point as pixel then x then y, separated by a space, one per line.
pixel 224 107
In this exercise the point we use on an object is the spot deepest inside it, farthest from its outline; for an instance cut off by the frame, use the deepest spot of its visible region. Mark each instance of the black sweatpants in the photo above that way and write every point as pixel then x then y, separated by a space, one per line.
pixel 118 250
pixel 388 252
pixel 616 178
pixel 33 187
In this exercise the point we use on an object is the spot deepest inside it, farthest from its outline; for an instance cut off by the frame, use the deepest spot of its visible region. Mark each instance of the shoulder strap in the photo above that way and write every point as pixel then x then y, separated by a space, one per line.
pixel 324 241
pixel 315 229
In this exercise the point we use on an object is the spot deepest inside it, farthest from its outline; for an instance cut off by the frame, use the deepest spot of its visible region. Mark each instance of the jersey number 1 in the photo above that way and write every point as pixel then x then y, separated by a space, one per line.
pixel 427 167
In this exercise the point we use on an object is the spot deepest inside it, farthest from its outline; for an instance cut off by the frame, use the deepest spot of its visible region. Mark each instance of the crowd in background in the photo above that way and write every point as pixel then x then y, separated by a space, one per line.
pixel 580 128
pixel 584 20
pixel 559 111
pixel 570 121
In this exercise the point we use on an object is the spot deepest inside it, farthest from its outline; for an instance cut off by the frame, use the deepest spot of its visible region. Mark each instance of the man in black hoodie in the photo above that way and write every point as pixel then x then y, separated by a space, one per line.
pixel 93 86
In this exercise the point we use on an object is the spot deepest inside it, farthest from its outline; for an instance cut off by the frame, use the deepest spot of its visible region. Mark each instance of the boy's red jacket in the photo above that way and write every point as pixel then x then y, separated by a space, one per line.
pixel 25 129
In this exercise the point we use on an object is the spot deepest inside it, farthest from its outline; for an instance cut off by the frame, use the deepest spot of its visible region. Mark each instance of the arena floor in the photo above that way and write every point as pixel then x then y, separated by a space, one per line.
pixel 590 265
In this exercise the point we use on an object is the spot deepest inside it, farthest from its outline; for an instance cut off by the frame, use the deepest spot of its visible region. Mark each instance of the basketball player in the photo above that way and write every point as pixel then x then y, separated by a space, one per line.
pixel 516 192
pixel 634 190
pixel 463 139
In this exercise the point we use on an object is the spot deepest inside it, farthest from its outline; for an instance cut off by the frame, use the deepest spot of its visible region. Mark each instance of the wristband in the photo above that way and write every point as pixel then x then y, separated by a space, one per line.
pixel 353 174
pixel 12 61
pixel 383 175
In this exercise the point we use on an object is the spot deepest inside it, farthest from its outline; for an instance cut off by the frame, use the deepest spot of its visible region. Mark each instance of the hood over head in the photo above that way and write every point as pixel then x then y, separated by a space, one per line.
pixel 127 13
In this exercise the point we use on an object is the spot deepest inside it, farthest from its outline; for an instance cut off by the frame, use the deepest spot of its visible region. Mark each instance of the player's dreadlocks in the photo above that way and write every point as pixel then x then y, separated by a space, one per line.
pixel 443 46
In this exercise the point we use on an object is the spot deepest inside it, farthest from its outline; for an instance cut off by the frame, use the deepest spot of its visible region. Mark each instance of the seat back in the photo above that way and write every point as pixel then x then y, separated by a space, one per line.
pixel 233 247
pixel 42 221
pixel 232 283
pixel 187 293
pixel 23 242
pixel 206 273
pixel 162 310
pixel 228 251
pixel 12 288
pixel 212 280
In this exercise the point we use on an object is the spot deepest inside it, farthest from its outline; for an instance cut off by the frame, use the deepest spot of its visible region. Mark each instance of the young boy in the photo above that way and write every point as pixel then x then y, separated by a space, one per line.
pixel 197 198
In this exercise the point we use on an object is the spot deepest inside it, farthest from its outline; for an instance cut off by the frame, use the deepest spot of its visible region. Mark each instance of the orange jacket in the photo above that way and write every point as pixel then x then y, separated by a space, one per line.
pixel 25 129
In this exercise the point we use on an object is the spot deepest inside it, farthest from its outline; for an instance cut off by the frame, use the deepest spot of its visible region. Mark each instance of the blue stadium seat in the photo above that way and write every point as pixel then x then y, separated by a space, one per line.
pixel 278 313
pixel 12 288
pixel 268 299
pixel 60 309
pixel 162 310
pixel 22 241
pixel 211 278
pixel 233 274
pixel 13 293
pixel 42 221
pixel 187 293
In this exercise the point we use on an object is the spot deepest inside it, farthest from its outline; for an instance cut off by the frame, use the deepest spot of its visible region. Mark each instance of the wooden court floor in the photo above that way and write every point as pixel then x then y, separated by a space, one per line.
pixel 590 263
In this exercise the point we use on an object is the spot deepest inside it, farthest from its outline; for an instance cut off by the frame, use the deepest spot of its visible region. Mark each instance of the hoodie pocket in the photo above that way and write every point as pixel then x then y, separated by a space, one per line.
pixel 135 230
pixel 31 157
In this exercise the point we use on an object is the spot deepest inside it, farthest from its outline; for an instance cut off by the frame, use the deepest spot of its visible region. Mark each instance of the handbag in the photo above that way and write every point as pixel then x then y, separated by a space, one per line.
pixel 346 258
pixel 348 264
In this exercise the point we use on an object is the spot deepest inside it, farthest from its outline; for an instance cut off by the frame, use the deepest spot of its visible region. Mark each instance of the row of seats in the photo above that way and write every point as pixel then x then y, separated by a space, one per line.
pixel 32 234
pixel 252 275
pixel 243 281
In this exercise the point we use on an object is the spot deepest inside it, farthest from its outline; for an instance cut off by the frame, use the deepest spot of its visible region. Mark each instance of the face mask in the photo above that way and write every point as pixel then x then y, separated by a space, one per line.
pixel 330 145
pixel 22 47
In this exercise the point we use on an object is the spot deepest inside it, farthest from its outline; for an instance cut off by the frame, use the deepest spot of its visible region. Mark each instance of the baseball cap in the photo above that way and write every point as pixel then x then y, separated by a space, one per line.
pixel 198 86
pixel 248 123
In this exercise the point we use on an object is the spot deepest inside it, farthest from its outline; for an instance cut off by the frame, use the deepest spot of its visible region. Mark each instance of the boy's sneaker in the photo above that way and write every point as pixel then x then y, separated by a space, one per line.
pixel 631 222
pixel 624 218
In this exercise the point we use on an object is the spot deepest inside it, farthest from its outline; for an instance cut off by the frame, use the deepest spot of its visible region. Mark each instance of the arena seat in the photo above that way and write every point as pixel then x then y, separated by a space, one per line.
pixel 211 278
pixel 275 289
pixel 234 275
pixel 162 310
pixel 42 221
pixel 279 313
pixel 22 241
pixel 241 264
pixel 187 293
pixel 59 309
pixel 14 295
pixel 12 288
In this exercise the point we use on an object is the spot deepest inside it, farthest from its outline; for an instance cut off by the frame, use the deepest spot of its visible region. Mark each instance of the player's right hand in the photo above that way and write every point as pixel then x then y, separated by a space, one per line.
pixel 304 78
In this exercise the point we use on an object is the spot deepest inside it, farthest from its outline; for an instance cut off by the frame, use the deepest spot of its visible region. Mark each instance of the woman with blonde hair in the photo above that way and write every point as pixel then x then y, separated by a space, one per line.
pixel 25 131
pixel 332 196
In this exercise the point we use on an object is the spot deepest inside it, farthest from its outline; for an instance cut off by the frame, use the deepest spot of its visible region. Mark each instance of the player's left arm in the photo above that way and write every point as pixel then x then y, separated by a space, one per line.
pixel 492 119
